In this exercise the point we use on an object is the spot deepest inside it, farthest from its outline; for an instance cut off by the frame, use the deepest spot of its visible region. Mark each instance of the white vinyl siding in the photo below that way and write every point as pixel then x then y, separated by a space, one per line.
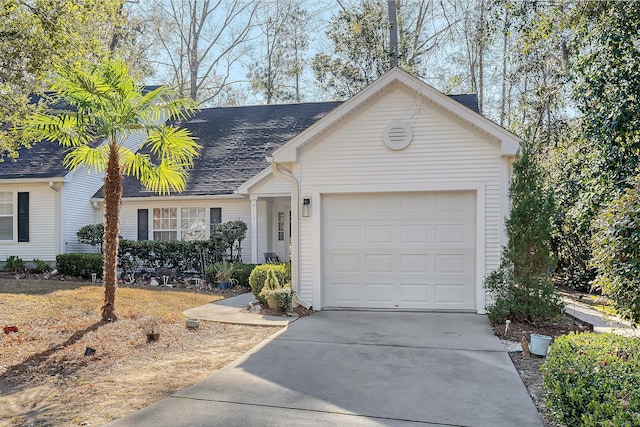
pixel 445 153
pixel 43 224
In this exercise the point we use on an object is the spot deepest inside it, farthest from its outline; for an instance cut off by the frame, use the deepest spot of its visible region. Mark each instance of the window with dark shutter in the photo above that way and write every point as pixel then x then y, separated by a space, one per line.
pixel 23 217
pixel 216 218
pixel 143 224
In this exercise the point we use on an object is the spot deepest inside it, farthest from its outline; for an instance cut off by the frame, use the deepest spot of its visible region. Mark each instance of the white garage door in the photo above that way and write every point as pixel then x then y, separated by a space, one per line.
pixel 400 250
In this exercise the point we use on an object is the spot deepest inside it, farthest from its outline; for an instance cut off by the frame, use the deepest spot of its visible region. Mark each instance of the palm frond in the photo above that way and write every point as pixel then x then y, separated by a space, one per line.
pixel 164 178
pixel 176 145
pixel 94 159
pixel 62 128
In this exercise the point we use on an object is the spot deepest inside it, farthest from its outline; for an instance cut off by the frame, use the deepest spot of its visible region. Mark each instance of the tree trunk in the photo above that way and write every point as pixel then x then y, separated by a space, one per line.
pixel 112 199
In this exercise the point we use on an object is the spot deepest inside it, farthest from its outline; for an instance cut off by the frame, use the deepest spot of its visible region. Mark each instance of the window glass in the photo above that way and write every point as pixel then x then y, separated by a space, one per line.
pixel 165 223
pixel 6 215
pixel 216 218
pixel 193 224
pixel 280 225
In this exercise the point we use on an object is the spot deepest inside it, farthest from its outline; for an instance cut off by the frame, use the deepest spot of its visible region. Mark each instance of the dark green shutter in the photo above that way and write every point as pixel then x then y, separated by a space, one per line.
pixel 143 224
pixel 23 217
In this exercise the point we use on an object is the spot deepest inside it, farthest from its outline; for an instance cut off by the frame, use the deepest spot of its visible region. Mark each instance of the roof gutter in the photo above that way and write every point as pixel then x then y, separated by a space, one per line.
pixel 282 172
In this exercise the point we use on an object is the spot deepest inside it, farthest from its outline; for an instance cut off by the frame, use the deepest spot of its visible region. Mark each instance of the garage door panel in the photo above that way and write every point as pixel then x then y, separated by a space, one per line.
pixel 379 263
pixel 344 262
pixel 454 235
pixel 397 251
pixel 451 205
pixel 349 233
pixel 415 295
pixel 452 295
pixel 414 234
pixel 414 263
pixel 379 234
pixel 345 293
pixel 378 294
pixel 377 206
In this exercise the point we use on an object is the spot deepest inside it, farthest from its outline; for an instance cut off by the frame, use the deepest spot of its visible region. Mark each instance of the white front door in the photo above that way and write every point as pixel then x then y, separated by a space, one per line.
pixel 399 250
pixel 283 232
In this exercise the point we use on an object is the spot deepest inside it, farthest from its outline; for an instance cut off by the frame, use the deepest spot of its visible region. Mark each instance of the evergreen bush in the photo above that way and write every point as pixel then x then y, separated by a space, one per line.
pixel 616 252
pixel 521 286
pixel 80 265
pixel 593 380
pixel 259 276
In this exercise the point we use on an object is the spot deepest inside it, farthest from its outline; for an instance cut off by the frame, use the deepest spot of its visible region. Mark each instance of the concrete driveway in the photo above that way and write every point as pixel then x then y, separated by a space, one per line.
pixel 360 368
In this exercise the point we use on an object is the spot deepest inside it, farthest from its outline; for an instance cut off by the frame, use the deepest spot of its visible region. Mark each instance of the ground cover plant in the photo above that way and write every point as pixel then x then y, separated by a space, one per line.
pixel 46 380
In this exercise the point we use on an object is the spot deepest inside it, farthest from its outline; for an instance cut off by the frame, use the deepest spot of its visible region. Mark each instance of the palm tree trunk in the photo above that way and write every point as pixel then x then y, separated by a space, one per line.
pixel 112 198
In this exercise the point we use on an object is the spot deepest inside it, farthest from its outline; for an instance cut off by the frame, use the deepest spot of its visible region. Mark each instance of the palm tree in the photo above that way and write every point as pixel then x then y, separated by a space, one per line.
pixel 105 107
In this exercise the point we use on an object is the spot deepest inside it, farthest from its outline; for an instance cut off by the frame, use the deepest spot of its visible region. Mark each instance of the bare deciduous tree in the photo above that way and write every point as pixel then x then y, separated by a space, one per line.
pixel 201 41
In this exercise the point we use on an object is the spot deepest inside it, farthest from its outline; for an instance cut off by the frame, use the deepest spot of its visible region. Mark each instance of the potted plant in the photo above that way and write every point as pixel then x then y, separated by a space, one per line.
pixel 224 271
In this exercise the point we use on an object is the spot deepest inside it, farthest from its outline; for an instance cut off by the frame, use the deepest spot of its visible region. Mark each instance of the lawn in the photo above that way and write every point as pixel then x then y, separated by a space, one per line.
pixel 46 379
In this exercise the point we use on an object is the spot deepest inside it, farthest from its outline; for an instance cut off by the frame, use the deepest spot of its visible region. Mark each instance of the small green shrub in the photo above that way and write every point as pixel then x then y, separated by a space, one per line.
pixel 271 283
pixel 259 275
pixel 91 234
pixel 79 264
pixel 242 274
pixel 13 264
pixel 284 296
pixel 593 380
pixel 40 266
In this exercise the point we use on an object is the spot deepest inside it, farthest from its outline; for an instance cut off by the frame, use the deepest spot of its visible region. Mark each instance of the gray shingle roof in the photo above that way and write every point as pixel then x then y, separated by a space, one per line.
pixel 43 160
pixel 235 142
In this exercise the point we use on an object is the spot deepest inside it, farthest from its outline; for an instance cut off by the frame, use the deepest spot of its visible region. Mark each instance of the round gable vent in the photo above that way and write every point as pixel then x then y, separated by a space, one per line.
pixel 397 135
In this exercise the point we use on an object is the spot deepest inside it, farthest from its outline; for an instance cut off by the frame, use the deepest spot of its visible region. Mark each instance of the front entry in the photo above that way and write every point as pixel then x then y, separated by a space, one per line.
pixel 282 232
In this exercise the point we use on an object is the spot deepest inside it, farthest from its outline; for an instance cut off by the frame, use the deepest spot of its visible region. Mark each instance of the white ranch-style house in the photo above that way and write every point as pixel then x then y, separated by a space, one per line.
pixel 393 199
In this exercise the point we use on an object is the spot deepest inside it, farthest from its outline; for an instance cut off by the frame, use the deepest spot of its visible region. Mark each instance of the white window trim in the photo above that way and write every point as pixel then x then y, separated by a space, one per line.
pixel 14 215
pixel 178 230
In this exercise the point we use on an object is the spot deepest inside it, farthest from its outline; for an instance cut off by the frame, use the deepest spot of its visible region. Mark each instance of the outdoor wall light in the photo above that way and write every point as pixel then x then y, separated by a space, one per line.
pixel 306 207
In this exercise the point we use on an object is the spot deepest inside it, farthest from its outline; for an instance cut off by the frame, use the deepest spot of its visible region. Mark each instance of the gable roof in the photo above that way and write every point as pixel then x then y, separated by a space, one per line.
pixel 235 142
pixel 508 142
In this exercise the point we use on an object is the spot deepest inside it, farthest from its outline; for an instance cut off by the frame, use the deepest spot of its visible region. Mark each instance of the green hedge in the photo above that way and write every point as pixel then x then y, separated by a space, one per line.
pixel 593 380
pixel 242 274
pixel 79 264
pixel 259 275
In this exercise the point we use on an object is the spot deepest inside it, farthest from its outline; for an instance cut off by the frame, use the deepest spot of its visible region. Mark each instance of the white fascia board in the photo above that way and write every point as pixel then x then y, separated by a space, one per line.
pixel 31 180
pixel 173 198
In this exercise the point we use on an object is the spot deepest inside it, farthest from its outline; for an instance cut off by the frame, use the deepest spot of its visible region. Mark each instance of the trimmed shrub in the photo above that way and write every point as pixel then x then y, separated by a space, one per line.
pixel 259 275
pixel 78 265
pixel 593 380
pixel 13 264
pixel 284 296
pixel 242 274
pixel 91 234
pixel 40 266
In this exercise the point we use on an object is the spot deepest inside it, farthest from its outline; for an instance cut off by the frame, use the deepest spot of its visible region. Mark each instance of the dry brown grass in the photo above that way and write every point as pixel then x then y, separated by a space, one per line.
pixel 45 379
